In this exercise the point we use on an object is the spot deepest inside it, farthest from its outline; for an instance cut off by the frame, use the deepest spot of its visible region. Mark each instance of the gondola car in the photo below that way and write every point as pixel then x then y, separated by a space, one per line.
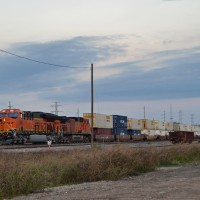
pixel 181 137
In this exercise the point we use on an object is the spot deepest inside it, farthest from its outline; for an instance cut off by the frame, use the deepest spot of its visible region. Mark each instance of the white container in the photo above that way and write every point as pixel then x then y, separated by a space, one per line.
pixel 183 127
pixel 149 124
pixel 176 127
pixel 169 126
pixel 150 134
pixel 195 128
pixel 100 120
pixel 108 121
pixel 188 127
pixel 159 125
pixel 135 124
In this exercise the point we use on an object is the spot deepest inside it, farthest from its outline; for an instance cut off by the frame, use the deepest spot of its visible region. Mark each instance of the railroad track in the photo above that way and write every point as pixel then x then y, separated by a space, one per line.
pixel 29 146
pixel 136 144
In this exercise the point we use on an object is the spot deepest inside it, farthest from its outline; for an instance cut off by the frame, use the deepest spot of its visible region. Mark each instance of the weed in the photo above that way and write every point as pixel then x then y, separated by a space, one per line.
pixel 25 173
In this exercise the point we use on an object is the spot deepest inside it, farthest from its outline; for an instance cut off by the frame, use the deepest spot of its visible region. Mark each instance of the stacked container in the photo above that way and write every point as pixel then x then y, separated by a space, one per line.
pixel 169 126
pixel 135 124
pixel 176 126
pixel 102 124
pixel 159 125
pixel 119 125
pixel 134 129
pixel 100 120
pixel 149 124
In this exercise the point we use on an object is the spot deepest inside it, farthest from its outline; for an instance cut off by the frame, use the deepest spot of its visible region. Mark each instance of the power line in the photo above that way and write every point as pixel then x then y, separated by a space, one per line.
pixel 37 61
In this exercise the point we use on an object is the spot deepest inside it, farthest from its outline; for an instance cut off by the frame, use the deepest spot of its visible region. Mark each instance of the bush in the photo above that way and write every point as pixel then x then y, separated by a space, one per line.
pixel 23 173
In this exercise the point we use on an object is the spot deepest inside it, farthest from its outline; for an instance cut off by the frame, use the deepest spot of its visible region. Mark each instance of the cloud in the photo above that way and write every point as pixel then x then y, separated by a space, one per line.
pixel 161 75
pixel 175 75
pixel 20 76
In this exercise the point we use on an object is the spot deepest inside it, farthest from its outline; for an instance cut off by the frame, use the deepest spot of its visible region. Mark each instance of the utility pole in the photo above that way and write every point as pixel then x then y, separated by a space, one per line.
pixel 92 105
pixel 144 112
pixel 56 108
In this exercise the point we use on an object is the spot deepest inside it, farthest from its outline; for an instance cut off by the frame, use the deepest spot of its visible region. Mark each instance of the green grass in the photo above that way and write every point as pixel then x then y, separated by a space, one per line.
pixel 24 173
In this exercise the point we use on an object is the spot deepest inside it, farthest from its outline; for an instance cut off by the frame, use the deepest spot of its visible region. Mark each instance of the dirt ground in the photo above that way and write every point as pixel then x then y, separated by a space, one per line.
pixel 165 183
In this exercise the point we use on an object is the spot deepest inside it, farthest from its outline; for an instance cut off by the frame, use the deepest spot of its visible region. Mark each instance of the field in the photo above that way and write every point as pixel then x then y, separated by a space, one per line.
pixel 24 173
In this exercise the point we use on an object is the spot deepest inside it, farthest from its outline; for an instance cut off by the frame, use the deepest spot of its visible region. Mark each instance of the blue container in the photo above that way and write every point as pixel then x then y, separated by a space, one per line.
pixel 119 121
pixel 119 131
pixel 134 132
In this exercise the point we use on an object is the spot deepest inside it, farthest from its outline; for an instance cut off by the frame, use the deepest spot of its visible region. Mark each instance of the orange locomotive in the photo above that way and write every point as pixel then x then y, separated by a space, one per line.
pixel 18 126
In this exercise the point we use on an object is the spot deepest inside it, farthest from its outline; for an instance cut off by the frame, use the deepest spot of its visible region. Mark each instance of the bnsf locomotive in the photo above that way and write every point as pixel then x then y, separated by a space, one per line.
pixel 18 126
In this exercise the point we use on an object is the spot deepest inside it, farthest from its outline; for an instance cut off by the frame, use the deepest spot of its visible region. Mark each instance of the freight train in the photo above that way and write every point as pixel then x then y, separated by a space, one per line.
pixel 19 127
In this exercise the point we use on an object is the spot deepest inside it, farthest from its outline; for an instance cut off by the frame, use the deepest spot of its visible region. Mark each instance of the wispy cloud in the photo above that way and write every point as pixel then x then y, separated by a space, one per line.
pixel 160 75
pixel 174 74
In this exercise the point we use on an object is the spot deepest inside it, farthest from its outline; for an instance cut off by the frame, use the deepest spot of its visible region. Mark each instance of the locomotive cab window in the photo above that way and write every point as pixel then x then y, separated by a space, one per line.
pixel 13 115
pixel 2 115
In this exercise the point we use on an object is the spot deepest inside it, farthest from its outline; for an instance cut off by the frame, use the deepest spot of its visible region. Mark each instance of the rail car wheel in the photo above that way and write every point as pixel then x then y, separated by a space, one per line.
pixel 190 141
pixel 86 140
pixel 173 142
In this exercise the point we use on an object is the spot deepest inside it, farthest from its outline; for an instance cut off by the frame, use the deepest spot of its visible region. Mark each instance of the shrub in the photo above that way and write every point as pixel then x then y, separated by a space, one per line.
pixel 23 173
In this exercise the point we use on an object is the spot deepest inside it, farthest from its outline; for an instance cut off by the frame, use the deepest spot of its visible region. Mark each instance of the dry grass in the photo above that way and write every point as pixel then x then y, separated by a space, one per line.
pixel 29 172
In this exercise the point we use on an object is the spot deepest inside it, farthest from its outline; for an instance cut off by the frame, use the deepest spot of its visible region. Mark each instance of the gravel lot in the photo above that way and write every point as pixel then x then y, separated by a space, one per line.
pixel 165 183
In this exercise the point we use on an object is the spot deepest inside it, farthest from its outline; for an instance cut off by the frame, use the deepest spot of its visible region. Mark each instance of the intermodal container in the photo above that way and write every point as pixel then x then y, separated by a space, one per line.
pixel 135 124
pixel 183 127
pixel 176 126
pixel 196 128
pixel 150 134
pixel 159 125
pixel 119 121
pixel 100 120
pixel 134 132
pixel 169 126
pixel 102 131
pixel 119 131
pixel 188 127
pixel 109 121
pixel 149 124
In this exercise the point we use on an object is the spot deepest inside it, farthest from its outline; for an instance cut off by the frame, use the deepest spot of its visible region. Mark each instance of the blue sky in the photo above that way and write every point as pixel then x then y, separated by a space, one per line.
pixel 145 53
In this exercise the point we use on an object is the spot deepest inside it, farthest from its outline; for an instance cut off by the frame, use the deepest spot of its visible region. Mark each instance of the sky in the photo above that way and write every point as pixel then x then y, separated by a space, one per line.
pixel 146 57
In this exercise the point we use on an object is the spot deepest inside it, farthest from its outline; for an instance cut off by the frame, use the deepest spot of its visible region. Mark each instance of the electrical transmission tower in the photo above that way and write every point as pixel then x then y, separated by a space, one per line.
pixel 164 115
pixel 171 113
pixel 144 112
pixel 180 116
pixel 192 119
pixel 56 111
pixel 9 105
